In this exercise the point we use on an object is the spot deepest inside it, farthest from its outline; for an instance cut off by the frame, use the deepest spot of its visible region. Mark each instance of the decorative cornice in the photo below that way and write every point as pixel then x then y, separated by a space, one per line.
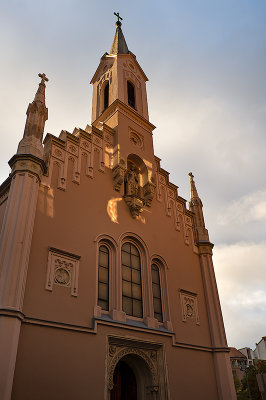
pixel 118 105
pixel 85 329
pixel 27 157
pixel 205 247
pixel 64 253
pixel 107 56
pixel 4 187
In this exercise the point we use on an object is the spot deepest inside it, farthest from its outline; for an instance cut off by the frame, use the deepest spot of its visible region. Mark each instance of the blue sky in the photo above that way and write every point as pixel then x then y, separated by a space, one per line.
pixel 206 63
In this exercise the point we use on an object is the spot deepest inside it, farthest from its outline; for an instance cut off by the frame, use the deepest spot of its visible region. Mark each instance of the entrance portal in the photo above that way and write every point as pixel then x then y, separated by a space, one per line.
pixel 125 384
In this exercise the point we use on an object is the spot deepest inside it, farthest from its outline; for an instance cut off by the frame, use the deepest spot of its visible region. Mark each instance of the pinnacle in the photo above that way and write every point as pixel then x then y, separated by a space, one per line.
pixel 40 94
pixel 193 190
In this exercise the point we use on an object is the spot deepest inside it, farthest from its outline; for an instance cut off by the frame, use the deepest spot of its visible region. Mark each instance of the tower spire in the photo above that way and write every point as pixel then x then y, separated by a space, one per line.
pixel 37 114
pixel 196 206
pixel 119 45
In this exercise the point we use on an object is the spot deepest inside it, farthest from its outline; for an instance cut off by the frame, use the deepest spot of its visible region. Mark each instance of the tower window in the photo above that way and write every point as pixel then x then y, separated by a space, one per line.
pixel 106 96
pixel 103 278
pixel 156 293
pixel 131 95
pixel 131 281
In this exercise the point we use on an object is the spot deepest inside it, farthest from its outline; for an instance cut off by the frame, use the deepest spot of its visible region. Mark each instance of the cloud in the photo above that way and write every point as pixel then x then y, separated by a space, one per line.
pixel 241 276
pixel 251 207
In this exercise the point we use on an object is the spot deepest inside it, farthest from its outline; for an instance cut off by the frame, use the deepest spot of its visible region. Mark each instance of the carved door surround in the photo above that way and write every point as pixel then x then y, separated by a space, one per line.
pixel 146 359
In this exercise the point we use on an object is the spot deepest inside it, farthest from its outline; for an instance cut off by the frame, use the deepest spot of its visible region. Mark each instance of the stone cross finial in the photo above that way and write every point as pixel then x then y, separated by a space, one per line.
pixel 43 77
pixel 118 17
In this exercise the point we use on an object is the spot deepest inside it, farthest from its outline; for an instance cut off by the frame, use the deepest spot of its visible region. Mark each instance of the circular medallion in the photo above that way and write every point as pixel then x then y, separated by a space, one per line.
pixel 62 276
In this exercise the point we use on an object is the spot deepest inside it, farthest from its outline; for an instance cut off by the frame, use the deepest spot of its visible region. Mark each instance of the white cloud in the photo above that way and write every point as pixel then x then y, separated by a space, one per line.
pixel 251 207
pixel 241 276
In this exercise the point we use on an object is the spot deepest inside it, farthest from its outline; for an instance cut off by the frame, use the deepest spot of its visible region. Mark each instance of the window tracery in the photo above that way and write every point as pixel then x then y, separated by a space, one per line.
pixel 103 278
pixel 156 293
pixel 131 281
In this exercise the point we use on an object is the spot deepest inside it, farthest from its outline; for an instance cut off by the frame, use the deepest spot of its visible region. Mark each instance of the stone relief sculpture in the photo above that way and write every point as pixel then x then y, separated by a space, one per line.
pixel 132 191
pixel 132 182
pixel 136 196
pixel 118 174
pixel 62 270
pixel 189 306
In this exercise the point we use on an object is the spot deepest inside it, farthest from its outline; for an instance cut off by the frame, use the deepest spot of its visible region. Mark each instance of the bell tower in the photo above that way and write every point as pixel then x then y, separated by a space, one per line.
pixel 120 101
pixel 119 76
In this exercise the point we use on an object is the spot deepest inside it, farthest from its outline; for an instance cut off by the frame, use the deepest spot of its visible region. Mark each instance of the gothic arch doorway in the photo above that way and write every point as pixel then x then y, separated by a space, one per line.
pixel 125 383
pixel 132 380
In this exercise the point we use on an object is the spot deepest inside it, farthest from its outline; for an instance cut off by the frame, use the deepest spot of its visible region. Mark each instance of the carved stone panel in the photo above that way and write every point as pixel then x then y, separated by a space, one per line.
pixel 189 306
pixel 118 174
pixel 149 191
pixel 62 270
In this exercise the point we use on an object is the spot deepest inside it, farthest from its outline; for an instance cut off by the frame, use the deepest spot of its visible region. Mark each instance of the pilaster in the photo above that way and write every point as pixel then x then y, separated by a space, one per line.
pixel 224 377
pixel 15 243
pixel 16 234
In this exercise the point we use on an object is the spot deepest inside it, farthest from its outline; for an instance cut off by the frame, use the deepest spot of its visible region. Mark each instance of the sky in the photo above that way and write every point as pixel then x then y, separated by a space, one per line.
pixel 206 63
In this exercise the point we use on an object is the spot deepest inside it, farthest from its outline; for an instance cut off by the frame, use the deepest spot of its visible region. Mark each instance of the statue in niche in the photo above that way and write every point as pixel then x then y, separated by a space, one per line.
pixel 132 182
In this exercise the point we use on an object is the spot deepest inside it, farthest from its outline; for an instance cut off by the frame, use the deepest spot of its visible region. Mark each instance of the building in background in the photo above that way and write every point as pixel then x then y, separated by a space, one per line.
pixel 107 287
pixel 259 353
pixel 238 362
pixel 260 349
pixel 249 354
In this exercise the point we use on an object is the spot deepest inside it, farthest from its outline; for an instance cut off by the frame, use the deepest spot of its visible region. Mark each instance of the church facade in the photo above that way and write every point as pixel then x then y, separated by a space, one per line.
pixel 107 286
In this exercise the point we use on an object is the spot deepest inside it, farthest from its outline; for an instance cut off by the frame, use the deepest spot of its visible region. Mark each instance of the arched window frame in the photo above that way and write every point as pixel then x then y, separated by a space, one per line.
pixel 131 103
pixel 106 98
pixel 132 282
pixel 110 243
pixel 108 283
pixel 162 266
pixel 102 94
pixel 155 263
pixel 144 257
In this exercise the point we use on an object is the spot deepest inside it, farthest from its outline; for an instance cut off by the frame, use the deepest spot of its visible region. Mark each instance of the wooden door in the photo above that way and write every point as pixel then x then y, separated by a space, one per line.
pixel 125 384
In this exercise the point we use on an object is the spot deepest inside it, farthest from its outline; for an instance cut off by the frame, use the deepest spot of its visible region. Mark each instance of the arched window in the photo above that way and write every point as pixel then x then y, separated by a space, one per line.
pixel 106 96
pixel 156 293
pixel 131 281
pixel 131 95
pixel 103 278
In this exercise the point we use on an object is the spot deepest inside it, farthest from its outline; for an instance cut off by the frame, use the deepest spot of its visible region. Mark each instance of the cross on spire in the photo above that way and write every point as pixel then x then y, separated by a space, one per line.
pixel 118 17
pixel 43 77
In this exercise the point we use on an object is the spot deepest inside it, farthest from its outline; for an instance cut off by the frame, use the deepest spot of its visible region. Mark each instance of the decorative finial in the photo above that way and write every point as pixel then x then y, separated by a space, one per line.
pixel 44 78
pixel 195 205
pixel 193 190
pixel 118 23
